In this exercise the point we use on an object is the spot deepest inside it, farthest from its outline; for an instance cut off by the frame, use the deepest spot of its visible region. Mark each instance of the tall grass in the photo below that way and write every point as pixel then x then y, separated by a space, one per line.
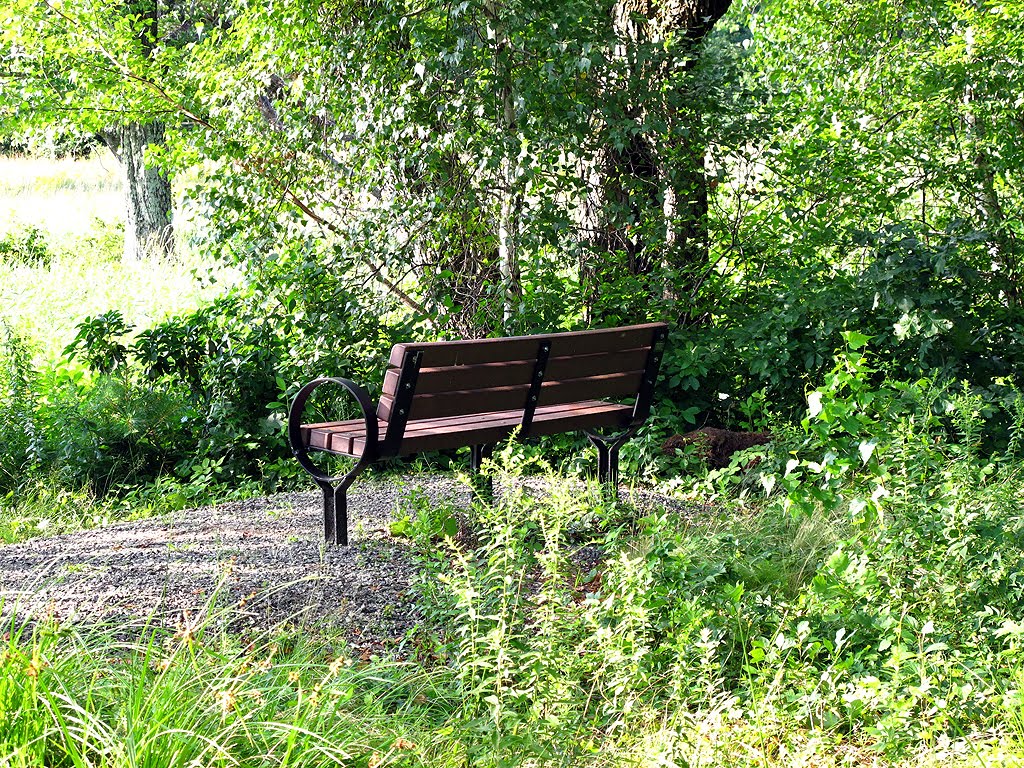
pixel 45 302
pixel 767 634
pixel 145 696
pixel 677 646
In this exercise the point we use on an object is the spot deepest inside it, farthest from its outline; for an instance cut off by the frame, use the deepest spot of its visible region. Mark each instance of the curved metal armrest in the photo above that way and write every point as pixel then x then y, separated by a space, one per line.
pixel 295 426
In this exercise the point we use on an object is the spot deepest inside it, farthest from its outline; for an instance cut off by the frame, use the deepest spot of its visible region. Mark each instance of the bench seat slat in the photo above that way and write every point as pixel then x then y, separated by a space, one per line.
pixel 348 437
pixel 445 404
pixel 493 432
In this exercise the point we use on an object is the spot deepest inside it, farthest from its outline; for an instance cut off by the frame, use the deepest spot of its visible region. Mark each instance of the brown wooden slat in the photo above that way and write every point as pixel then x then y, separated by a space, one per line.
pixel 474 352
pixel 336 437
pixel 443 434
pixel 610 415
pixel 440 354
pixel 579 366
pixel 433 380
pixel 457 403
pixel 496 432
pixel 349 437
pixel 384 407
pixel 503 398
pixel 468 421
pixel 462 422
pixel 318 435
pixel 510 418
pixel 572 390
pixel 486 375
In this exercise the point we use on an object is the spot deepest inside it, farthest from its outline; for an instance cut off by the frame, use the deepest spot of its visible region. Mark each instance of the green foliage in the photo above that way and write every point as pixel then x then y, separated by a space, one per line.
pixel 873 599
pixel 114 432
pixel 149 696
pixel 18 427
pixel 98 338
pixel 26 246
pixel 383 173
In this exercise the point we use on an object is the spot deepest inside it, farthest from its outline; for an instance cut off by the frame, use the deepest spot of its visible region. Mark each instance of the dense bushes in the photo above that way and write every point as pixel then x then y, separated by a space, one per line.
pixel 927 311
pixel 883 609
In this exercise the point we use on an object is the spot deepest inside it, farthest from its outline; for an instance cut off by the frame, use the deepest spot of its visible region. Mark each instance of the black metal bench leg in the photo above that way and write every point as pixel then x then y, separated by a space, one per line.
pixel 330 519
pixel 608 459
pixel 484 485
pixel 476 456
pixel 336 505
pixel 611 476
pixel 335 514
pixel 607 467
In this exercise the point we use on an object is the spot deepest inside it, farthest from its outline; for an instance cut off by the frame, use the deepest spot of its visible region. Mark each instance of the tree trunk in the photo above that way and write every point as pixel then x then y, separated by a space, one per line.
pixel 148 228
pixel 653 177
pixel 510 188
pixel 1001 242
pixel 686 213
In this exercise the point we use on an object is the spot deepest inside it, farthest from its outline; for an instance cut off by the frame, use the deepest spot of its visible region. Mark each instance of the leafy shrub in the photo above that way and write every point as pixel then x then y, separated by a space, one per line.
pixel 231 367
pixel 882 616
pixel 114 432
pixel 929 312
pixel 98 341
pixel 18 428
pixel 27 246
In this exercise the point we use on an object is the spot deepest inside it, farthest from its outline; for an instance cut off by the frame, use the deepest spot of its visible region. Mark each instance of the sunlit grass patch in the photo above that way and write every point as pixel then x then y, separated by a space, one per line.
pixel 61 241
pixel 44 302
pixel 62 197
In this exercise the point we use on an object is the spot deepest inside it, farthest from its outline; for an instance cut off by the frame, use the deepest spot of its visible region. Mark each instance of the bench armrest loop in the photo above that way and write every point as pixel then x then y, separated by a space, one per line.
pixel 295 429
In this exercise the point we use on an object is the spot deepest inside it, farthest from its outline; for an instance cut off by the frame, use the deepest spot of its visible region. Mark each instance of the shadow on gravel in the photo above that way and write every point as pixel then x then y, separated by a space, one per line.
pixel 248 565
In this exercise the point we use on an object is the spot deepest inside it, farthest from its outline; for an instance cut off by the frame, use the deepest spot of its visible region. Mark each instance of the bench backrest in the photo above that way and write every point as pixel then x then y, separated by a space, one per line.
pixel 455 378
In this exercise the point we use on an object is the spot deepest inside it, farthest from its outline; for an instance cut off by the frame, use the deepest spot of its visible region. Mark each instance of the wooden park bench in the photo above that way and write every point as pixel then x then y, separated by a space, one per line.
pixel 452 394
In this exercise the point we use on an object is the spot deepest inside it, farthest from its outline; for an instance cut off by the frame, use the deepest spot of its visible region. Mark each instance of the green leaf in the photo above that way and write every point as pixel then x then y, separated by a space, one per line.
pixel 450 526
pixel 401 528
pixel 866 449
pixel 814 403
pixel 854 339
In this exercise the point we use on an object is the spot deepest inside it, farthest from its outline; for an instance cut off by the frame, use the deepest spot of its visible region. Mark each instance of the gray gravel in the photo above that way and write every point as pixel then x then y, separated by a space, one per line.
pixel 255 563
pixel 249 564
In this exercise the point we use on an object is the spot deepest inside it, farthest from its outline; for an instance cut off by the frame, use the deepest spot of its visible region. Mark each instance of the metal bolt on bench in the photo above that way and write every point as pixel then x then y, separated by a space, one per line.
pixel 475 393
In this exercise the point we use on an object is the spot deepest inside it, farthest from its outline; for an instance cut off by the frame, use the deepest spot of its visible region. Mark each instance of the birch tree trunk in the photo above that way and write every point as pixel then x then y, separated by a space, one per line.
pixel 511 191
pixel 148 225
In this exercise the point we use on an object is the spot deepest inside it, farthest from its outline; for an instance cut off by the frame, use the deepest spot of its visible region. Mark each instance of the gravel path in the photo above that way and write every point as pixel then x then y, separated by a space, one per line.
pixel 251 564
pixel 258 563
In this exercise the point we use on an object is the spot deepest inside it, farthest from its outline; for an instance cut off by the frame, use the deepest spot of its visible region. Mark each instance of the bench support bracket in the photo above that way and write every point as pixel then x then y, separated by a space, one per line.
pixel 608 457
